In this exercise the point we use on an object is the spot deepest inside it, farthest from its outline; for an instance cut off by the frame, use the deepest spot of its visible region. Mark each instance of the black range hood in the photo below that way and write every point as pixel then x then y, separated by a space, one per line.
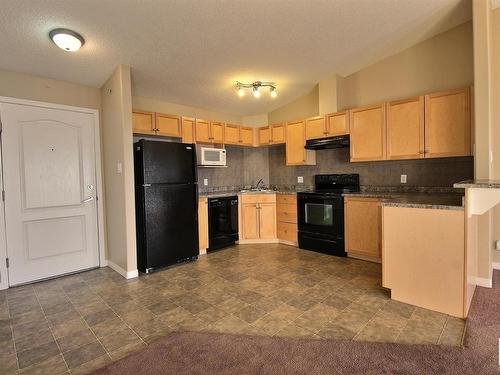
pixel 340 141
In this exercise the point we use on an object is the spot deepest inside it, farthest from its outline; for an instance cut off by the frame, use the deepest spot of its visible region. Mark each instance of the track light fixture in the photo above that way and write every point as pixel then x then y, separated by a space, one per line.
pixel 256 88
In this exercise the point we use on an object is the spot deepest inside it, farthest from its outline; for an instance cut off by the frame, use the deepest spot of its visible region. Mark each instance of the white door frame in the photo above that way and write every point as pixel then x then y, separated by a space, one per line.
pixel 4 278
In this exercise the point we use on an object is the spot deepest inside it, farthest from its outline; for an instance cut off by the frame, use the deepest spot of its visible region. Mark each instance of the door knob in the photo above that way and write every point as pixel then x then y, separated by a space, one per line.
pixel 88 199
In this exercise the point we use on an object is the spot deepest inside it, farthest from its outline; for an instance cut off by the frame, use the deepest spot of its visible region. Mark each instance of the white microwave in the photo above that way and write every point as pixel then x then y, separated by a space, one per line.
pixel 210 156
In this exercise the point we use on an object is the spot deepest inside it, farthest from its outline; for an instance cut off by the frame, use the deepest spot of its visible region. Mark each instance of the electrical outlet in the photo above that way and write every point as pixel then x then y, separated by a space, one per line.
pixel 205 181
pixel 403 178
pixel 300 180
pixel 497 245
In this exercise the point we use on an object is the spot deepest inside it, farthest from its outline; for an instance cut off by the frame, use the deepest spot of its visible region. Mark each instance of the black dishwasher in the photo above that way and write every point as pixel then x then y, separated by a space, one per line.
pixel 222 222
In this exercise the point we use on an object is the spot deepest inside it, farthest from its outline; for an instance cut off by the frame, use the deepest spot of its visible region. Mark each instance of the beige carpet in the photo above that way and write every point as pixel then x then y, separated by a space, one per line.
pixel 209 353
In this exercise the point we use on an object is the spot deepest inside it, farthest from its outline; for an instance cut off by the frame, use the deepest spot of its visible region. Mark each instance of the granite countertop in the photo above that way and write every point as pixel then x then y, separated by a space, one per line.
pixel 434 200
pixel 478 184
pixel 215 194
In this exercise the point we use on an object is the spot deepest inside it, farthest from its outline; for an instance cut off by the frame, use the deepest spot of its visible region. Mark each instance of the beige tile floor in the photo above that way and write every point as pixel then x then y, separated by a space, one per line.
pixel 81 322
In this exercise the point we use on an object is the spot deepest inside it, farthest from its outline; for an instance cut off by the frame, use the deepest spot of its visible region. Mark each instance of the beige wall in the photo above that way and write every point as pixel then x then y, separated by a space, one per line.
pixel 157 105
pixel 306 106
pixel 26 86
pixel 256 120
pixel 327 95
pixel 119 187
pixel 440 63
pixel 495 118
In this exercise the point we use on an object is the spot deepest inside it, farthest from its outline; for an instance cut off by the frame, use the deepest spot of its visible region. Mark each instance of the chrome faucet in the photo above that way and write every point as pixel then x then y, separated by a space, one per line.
pixel 258 183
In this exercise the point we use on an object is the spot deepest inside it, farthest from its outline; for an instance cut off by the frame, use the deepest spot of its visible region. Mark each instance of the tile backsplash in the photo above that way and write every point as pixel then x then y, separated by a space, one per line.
pixel 245 167
pixel 441 172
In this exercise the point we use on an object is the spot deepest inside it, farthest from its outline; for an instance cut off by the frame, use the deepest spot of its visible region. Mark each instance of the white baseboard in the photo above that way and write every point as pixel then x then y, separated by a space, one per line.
pixel 121 271
pixel 104 263
pixel 496 266
pixel 203 251
pixel 484 282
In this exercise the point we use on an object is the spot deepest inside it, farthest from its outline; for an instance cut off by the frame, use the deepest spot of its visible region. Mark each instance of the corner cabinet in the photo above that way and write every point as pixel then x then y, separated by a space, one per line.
pixel 257 218
pixel 246 136
pixel 295 137
pixel 448 124
pixel 368 133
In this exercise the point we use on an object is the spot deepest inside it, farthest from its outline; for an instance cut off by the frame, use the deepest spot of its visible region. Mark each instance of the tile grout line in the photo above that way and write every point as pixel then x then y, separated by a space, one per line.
pixel 50 328
pixel 12 334
pixel 114 312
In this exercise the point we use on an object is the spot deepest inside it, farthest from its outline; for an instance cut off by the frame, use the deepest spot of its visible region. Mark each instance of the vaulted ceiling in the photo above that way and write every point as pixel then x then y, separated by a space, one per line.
pixel 193 51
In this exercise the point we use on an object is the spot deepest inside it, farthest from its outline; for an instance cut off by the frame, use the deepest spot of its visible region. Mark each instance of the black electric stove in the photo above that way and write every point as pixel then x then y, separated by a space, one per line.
pixel 321 213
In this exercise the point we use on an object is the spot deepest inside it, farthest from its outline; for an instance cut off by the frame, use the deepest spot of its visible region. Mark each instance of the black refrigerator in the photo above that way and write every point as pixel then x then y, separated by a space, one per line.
pixel 166 194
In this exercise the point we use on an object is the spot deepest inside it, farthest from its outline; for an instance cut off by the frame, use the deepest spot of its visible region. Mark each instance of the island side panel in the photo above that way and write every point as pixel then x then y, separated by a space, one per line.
pixel 423 257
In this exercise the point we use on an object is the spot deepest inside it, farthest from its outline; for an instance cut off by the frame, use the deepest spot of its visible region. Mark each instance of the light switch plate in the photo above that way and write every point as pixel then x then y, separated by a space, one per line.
pixel 497 245
pixel 300 179
pixel 119 167
pixel 205 181
pixel 403 178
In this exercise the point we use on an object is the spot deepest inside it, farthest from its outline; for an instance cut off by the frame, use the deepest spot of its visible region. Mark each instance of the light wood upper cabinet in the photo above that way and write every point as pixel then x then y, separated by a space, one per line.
pixel 217 131
pixel 202 131
pixel 203 223
pixel 368 133
pixel 405 129
pixel 448 124
pixel 187 126
pixel 296 154
pixel 246 135
pixel 316 127
pixel 168 125
pixel 232 134
pixel 363 227
pixel 337 123
pixel 143 122
pixel 277 133
pixel 264 136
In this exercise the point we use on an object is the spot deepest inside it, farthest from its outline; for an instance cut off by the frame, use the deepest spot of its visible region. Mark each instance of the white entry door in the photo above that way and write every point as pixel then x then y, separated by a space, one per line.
pixel 50 191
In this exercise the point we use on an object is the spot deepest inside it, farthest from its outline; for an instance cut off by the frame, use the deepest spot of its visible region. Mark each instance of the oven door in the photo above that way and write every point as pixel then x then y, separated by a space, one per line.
pixel 321 214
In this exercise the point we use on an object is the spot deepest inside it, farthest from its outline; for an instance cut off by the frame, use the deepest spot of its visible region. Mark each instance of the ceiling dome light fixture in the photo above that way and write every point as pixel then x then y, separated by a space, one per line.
pixel 255 86
pixel 66 39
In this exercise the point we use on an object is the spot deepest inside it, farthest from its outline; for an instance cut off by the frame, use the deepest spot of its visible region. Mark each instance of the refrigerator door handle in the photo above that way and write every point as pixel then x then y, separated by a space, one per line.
pixel 146 185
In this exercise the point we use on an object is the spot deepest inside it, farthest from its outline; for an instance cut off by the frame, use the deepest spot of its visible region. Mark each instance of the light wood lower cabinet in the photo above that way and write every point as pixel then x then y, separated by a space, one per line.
pixel 286 206
pixel 203 224
pixel 257 218
pixel 363 228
